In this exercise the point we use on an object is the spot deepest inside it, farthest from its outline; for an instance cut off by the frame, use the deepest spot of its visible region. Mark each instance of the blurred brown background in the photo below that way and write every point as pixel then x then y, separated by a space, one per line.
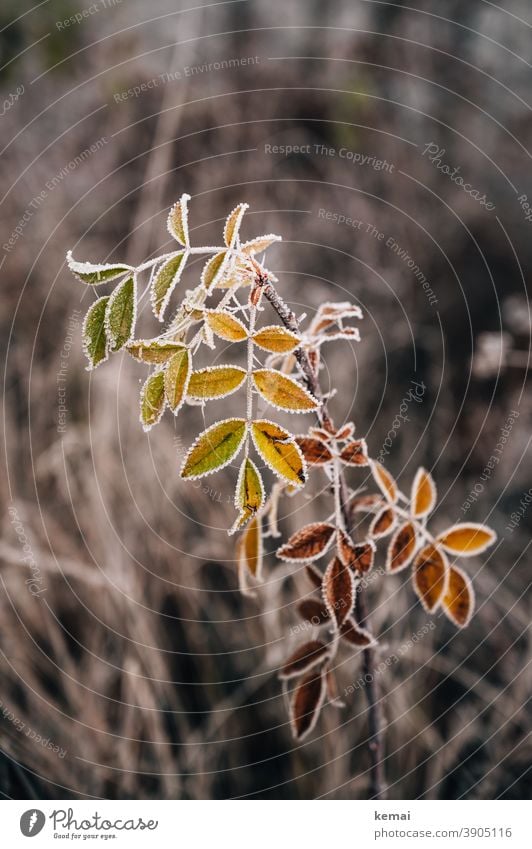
pixel 129 664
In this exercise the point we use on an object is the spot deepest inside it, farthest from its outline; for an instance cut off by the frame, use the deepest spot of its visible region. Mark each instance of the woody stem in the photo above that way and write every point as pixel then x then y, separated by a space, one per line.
pixel 375 740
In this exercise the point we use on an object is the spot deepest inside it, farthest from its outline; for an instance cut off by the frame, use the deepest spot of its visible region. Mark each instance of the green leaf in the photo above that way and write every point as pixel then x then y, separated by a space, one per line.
pixel 165 282
pixel 279 451
pixel 215 382
pixel 93 333
pixel 154 351
pixel 120 314
pixel 93 274
pixel 214 448
pixel 176 377
pixel 152 400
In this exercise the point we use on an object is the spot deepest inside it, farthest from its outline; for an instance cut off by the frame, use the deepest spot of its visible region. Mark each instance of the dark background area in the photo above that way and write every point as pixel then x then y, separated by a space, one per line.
pixel 139 658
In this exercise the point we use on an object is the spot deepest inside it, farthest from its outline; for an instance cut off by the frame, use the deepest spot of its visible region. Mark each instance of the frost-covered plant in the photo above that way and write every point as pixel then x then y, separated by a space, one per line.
pixel 283 362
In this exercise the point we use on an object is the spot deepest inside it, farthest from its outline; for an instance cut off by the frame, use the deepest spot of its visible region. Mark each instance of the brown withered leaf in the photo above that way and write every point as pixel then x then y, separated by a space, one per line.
pixel 306 704
pixel 304 658
pixel 338 590
pixel 383 523
pixel 309 543
pixel 314 575
pixel 313 611
pixel 366 503
pixel 354 634
pixel 358 556
pixel 355 453
pixel 402 548
pixel 332 689
pixel 345 432
pixel 315 452
pixel 459 599
pixel 430 576
pixel 319 433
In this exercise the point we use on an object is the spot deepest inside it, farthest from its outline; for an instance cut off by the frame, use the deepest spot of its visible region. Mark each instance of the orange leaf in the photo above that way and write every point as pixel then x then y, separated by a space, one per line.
pixel 304 658
pixel 314 450
pixel 226 326
pixel 283 392
pixel 385 481
pixel 338 590
pixel 276 339
pixel 402 547
pixel 430 576
pixel 467 539
pixel 355 453
pixel 306 704
pixel 383 523
pixel 309 543
pixel 356 635
pixel 459 600
pixel 249 547
pixel 423 495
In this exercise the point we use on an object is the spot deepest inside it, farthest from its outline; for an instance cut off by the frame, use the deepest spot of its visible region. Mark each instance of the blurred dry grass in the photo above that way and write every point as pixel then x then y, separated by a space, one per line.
pixel 140 658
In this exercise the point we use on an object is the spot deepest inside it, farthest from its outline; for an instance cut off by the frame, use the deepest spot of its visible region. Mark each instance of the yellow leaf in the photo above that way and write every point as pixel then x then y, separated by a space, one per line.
pixel 249 493
pixel 152 400
pixel 283 392
pixel 279 451
pixel 459 599
pixel 176 377
pixel 215 381
pixel 232 225
pixel 276 339
pixel 213 270
pixel 178 220
pixel 467 539
pixel 226 326
pixel 214 448
pixel 249 547
pixel 259 244
pixel 430 576
pixel 423 495
pixel 154 351
pixel 385 481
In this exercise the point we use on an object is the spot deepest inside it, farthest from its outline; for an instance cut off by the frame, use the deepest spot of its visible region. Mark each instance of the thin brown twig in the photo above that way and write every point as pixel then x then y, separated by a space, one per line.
pixel 375 726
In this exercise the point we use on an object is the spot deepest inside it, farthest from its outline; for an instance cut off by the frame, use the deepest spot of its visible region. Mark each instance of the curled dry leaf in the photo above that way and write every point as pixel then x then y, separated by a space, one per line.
pixel 176 378
pixel 215 382
pixel 276 339
pixel 345 432
pixel 402 548
pixel 467 539
pixel 153 351
pixel 152 400
pixel 366 503
pixel 279 451
pixel 459 599
pixel 314 575
pixel 356 635
pixel 259 244
pixel 338 591
pixel 385 481
pixel 178 220
pixel 313 611
pixel 306 704
pixel 309 543
pixel 283 392
pixel 315 452
pixel 95 275
pixel 232 224
pixel 250 549
pixel 332 689
pixel 383 523
pixel 94 337
pixel 214 448
pixel 320 433
pixel 423 496
pixel 304 658
pixel 355 453
pixel 430 576
pixel 164 283
pixel 226 326
pixel 358 556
